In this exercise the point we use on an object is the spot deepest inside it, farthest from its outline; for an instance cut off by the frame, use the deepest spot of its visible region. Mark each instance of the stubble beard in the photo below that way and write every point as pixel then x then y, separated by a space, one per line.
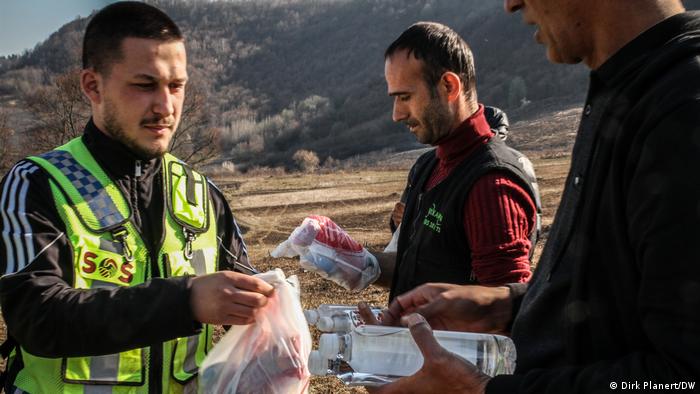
pixel 437 120
pixel 115 130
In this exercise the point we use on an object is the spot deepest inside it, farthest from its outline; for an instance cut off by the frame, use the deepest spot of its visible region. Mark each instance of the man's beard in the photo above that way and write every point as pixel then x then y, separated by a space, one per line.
pixel 437 121
pixel 115 130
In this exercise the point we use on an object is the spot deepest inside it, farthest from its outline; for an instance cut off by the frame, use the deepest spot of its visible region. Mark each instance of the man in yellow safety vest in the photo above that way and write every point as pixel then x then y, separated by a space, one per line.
pixel 117 256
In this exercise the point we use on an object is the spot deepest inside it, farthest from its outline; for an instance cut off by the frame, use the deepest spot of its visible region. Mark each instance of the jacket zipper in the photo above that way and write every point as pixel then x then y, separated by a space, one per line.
pixel 155 360
pixel 157 266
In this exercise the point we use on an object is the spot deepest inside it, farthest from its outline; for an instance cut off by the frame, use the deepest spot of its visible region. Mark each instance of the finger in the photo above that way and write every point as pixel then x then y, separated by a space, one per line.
pixel 366 314
pixel 403 305
pixel 237 321
pixel 237 310
pixel 423 336
pixel 246 298
pixel 250 283
pixel 391 316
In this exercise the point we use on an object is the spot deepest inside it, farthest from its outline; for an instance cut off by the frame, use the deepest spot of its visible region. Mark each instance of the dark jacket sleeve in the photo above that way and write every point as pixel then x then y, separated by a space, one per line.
pixel 233 253
pixel 50 318
pixel 663 221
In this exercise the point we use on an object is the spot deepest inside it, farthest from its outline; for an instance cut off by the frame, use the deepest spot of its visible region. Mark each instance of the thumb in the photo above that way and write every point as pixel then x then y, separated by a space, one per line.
pixel 423 335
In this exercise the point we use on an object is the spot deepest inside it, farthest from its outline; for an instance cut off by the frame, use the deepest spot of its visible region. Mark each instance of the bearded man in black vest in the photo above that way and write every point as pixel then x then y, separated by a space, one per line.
pixel 472 204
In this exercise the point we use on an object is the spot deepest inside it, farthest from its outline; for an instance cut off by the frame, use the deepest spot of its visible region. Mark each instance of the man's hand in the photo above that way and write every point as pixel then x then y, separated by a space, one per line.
pixel 442 371
pixel 228 298
pixel 397 213
pixel 454 307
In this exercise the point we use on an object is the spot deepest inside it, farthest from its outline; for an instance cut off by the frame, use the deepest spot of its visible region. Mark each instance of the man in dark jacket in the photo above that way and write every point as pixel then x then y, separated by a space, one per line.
pixel 614 301
pixel 472 202
pixel 102 237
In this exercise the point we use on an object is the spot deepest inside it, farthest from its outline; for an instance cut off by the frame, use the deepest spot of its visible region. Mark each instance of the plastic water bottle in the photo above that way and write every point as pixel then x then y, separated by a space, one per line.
pixel 375 355
pixel 336 318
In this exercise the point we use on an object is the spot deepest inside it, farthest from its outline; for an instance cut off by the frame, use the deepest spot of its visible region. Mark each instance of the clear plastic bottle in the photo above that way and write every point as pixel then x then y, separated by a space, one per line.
pixel 336 318
pixel 374 355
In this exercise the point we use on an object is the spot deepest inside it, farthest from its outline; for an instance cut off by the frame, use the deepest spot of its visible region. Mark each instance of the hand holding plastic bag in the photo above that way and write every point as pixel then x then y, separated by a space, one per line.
pixel 325 248
pixel 268 356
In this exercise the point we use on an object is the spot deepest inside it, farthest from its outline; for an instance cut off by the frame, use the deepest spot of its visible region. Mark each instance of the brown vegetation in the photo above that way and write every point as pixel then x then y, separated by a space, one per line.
pixel 359 200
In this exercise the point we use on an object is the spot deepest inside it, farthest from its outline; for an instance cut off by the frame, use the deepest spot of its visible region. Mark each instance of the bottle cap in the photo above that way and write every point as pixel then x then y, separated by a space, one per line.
pixel 318 365
pixel 325 324
pixel 311 316
pixel 329 345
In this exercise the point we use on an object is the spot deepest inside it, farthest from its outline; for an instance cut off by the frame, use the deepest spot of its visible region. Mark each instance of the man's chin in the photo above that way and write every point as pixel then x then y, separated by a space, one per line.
pixel 149 152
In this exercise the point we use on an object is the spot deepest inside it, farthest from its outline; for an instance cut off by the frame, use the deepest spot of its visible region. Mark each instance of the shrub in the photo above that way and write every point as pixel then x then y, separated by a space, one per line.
pixel 306 160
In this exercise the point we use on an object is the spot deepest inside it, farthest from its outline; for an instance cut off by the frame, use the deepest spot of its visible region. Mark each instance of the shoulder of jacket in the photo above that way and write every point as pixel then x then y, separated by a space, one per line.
pixel 24 171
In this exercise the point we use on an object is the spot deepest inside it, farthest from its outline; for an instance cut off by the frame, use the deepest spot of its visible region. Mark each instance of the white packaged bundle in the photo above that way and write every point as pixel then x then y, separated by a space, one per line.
pixel 269 356
pixel 325 248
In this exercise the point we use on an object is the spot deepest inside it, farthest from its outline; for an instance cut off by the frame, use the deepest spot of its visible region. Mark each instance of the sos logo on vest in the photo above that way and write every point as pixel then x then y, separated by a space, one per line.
pixel 107 268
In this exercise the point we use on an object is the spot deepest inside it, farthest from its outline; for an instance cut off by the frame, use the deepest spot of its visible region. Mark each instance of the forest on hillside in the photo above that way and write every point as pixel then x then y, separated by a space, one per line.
pixel 272 77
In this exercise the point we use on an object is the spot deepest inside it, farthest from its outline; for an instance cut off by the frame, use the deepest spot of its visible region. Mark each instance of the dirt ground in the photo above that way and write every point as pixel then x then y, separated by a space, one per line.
pixel 269 207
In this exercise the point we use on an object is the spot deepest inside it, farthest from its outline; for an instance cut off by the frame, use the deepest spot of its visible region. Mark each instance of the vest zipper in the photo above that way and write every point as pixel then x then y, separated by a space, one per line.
pixel 156 356
pixel 155 367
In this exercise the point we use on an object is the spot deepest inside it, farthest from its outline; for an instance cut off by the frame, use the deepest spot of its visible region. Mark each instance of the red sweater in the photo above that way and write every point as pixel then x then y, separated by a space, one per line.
pixel 498 213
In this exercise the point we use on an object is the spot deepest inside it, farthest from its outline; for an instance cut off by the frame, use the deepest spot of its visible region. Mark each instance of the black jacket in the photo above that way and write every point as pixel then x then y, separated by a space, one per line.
pixel 616 295
pixel 43 312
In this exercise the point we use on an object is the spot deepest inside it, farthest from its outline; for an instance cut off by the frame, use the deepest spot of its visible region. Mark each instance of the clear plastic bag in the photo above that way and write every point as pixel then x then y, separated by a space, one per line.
pixel 325 248
pixel 269 356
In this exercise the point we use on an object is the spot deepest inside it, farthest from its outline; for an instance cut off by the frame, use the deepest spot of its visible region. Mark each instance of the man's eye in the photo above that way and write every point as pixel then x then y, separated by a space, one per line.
pixel 145 86
pixel 177 86
pixel 404 97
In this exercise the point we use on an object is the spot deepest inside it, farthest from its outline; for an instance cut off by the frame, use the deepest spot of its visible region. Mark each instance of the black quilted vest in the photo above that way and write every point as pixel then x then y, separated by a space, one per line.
pixel 432 243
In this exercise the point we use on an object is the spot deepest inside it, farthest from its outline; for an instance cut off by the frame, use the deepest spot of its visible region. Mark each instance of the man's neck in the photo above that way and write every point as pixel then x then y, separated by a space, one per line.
pixel 463 111
pixel 619 22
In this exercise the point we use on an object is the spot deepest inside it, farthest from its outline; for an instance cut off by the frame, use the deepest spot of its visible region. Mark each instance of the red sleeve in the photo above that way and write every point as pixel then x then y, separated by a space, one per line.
pixel 498 216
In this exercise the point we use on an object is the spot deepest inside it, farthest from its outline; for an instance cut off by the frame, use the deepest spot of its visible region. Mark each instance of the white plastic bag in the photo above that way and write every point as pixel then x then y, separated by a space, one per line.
pixel 393 245
pixel 325 248
pixel 269 356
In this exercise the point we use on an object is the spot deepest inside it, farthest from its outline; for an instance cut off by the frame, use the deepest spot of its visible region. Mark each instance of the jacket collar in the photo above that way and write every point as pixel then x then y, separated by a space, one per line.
pixel 473 132
pixel 115 157
pixel 644 49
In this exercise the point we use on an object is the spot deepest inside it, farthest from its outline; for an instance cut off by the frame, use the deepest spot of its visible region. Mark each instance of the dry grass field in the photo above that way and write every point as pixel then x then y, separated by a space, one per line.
pixel 269 207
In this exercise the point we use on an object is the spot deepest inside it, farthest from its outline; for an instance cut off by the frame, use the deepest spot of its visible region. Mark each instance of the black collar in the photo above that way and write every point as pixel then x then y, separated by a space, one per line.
pixel 114 156
pixel 644 48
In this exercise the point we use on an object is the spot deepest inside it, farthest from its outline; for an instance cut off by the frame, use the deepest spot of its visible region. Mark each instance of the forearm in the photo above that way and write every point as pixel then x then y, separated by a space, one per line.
pixel 51 319
pixel 387 262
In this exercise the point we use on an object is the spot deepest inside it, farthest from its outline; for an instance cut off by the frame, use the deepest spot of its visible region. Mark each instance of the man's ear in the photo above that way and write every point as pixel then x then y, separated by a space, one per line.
pixel 452 86
pixel 90 84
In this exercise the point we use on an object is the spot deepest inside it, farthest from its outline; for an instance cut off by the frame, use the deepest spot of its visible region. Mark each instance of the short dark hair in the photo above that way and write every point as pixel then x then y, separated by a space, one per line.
pixel 441 49
pixel 102 44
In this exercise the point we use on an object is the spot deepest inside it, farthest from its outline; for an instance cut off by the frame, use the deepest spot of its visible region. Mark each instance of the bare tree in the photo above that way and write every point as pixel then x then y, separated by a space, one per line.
pixel 59 111
pixel 195 140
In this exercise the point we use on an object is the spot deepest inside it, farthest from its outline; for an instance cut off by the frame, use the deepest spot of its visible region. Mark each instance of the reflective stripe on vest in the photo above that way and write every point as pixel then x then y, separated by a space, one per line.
pixel 91 192
pixel 190 210
pixel 97 218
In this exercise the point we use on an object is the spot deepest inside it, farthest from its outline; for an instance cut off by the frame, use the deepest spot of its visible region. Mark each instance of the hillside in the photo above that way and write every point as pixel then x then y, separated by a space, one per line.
pixel 289 74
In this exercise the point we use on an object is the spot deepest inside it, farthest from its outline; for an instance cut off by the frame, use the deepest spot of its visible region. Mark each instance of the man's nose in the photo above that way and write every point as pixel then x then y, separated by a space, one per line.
pixel 512 5
pixel 163 103
pixel 399 113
